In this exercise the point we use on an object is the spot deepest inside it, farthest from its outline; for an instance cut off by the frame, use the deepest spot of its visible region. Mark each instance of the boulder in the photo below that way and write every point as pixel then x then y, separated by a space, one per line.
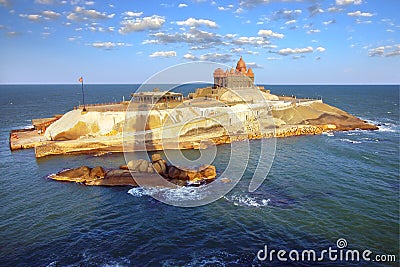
pixel 97 173
pixel 134 164
pixel 115 178
pixel 123 167
pixel 157 168
pixel 144 166
pixel 155 157
pixel 176 173
pixel 163 165
pixel 208 171
pixel 78 175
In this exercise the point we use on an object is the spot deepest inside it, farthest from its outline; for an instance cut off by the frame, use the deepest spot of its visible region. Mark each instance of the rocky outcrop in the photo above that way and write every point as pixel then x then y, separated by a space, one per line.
pixel 141 169
pixel 82 174
pixel 304 118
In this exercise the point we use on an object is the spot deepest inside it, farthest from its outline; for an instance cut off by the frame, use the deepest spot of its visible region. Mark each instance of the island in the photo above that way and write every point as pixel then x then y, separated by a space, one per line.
pixel 230 110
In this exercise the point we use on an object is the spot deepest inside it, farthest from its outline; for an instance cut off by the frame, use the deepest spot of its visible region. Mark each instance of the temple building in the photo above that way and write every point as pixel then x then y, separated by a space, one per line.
pixel 226 83
pixel 241 77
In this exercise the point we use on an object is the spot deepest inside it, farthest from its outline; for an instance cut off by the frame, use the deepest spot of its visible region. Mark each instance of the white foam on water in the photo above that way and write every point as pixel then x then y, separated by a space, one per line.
pixel 329 133
pixel 350 141
pixel 388 127
pixel 172 194
pixel 245 200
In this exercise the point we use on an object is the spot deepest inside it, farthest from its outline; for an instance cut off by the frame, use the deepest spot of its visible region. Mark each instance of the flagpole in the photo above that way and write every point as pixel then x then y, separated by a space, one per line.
pixel 83 95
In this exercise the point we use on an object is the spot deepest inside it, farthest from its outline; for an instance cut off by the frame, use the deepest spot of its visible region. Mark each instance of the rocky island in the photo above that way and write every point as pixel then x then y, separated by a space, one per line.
pixel 232 109
pixel 128 175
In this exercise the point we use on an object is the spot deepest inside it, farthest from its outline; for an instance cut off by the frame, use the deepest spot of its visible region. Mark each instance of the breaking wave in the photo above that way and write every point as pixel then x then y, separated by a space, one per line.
pixel 239 200
pixel 173 194
pixel 350 141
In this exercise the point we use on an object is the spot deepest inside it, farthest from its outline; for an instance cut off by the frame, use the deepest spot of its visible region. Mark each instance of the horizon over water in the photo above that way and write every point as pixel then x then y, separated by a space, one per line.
pixel 319 189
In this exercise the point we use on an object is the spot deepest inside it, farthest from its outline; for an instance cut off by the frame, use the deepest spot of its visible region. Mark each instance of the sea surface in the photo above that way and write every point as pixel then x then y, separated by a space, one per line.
pixel 319 189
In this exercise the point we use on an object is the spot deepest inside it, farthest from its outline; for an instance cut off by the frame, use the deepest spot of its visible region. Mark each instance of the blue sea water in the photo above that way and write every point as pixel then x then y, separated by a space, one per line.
pixel 319 189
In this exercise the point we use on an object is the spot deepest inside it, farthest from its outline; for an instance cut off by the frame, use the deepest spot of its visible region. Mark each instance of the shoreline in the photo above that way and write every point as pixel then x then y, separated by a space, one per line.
pixel 73 147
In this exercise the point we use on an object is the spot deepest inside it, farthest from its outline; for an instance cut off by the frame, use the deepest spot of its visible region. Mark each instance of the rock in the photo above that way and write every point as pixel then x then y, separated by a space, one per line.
pixel 157 168
pixel 208 171
pixel 144 166
pixel 178 182
pixel 155 157
pixel 163 165
pixel 194 176
pixel 134 164
pixel 150 168
pixel 78 175
pixel 176 173
pixel 97 173
pixel 115 178
pixel 226 180
pixel 123 167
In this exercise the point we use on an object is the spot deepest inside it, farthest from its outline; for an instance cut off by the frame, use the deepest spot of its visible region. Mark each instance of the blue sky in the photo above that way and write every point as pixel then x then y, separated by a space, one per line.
pixel 286 42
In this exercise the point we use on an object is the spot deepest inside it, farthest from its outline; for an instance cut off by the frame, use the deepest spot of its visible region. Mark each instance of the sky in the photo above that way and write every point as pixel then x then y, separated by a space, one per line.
pixel 126 42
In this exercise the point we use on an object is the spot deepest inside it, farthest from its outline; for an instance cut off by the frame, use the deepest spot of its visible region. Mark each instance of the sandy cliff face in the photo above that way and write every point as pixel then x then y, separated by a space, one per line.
pixel 76 124
pixel 320 114
pixel 187 127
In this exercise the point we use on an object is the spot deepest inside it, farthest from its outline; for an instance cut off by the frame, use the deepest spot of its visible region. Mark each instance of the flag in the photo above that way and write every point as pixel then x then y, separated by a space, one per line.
pixel 81 80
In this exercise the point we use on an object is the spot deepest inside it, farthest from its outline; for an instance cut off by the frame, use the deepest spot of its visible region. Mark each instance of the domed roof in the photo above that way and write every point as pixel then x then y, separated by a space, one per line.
pixel 241 65
pixel 250 72
pixel 219 71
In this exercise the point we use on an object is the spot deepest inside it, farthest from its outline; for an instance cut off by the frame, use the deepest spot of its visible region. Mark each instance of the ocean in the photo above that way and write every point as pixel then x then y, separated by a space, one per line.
pixel 320 189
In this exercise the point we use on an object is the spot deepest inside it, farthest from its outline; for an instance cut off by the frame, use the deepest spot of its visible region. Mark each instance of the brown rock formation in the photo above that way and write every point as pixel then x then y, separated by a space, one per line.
pixel 141 169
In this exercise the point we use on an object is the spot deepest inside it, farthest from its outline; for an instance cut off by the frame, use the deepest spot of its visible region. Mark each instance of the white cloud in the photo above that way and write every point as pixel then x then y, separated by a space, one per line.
pixel 80 13
pixel 348 2
pixel 359 14
pixel 108 45
pixel 4 3
pixel 387 51
pixel 51 14
pixel 44 2
pixel 285 14
pixel 334 9
pixel 237 50
pixel 358 21
pixel 190 57
pixel 244 40
pixel 89 3
pixel 253 65
pixel 288 51
pixel 132 14
pixel 13 34
pixel 141 24
pixel 270 34
pixel 216 57
pixel 229 7
pixel 273 58
pixel 201 39
pixel 329 22
pixel 192 22
pixel 182 5
pixel 290 22
pixel 313 31
pixel 163 54
pixel 239 10
pixel 315 10
pixel 320 49
pixel 32 17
